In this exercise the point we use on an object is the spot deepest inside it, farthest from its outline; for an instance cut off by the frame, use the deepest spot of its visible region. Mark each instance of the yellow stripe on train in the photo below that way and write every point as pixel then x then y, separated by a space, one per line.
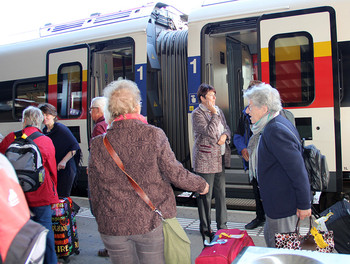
pixel 53 78
pixel 321 49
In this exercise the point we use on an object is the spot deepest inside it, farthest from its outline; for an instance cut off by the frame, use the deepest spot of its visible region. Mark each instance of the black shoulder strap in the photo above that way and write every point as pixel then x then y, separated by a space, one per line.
pixel 18 134
pixel 35 135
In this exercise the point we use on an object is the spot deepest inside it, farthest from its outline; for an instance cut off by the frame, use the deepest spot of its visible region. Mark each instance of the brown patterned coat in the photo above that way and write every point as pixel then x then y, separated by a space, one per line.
pixel 148 158
pixel 206 152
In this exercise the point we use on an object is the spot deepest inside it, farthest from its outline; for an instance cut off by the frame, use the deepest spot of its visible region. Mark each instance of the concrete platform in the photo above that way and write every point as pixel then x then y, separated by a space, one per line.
pixel 90 242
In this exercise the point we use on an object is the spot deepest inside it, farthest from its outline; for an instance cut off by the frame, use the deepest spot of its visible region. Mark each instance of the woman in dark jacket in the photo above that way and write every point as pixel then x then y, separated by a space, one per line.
pixel 275 159
pixel 130 230
pixel 67 148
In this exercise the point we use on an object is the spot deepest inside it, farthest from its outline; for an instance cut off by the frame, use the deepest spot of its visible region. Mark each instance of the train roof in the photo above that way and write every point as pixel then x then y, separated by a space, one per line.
pixel 246 8
pixel 97 20
pixel 98 26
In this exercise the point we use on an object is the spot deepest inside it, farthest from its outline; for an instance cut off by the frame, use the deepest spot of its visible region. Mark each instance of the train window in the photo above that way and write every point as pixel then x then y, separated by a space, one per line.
pixel 69 90
pixel 304 126
pixel 344 58
pixel 113 60
pixel 28 93
pixel 292 67
pixel 6 101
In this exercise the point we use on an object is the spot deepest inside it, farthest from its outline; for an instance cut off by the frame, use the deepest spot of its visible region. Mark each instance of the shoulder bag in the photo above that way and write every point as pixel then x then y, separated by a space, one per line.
pixel 177 246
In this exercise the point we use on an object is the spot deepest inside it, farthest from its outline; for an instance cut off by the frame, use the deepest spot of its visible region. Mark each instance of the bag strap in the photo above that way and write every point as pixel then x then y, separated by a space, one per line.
pixel 297 227
pixel 35 135
pixel 32 136
pixel 133 183
pixel 18 134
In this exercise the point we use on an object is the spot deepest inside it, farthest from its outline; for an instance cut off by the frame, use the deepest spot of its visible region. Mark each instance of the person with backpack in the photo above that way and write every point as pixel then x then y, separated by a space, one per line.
pixel 240 140
pixel 276 160
pixel 40 200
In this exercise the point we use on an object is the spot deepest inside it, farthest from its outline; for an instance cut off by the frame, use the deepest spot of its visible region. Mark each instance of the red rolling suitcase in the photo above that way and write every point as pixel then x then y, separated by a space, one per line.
pixel 227 244
pixel 65 228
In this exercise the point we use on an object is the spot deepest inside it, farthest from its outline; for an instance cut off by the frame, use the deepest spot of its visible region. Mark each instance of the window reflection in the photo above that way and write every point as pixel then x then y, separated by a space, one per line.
pixel 69 90
pixel 292 68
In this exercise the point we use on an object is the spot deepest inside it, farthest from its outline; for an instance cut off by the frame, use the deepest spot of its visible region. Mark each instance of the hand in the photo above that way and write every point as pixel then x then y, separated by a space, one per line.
pixel 245 154
pixel 222 139
pixel 302 214
pixel 206 189
pixel 61 165
pixel 211 107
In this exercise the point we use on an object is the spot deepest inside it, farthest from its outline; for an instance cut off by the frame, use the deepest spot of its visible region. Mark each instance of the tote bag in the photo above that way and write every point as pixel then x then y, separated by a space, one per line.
pixel 177 246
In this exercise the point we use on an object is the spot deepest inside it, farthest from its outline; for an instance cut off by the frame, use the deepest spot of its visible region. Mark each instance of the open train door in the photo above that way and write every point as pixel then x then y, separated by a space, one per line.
pixel 298 56
pixel 67 71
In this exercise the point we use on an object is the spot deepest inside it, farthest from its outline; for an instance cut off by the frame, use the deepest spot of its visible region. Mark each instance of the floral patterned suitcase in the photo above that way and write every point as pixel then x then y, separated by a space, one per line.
pixel 65 228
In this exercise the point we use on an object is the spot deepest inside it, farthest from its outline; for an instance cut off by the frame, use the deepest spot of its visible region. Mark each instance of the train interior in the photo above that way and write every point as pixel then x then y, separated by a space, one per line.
pixel 229 64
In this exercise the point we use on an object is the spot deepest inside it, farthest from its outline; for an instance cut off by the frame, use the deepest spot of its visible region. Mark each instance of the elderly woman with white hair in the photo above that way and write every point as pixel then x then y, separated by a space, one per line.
pixel 97 107
pixel 276 159
pixel 130 230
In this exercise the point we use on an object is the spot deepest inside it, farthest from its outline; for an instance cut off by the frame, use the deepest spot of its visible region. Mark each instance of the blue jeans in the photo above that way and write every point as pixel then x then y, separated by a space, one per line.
pixel 43 216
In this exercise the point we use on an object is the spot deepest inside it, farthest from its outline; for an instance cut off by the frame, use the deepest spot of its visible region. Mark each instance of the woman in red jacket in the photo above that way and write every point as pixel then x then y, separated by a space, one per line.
pixel 40 201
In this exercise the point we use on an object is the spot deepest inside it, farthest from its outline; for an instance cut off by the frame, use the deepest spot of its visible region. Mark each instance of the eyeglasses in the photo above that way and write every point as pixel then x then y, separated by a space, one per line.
pixel 250 106
pixel 210 95
pixel 90 109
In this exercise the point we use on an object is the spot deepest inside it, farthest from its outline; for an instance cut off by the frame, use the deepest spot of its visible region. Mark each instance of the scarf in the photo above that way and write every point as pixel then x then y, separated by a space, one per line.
pixel 131 116
pixel 221 127
pixel 257 129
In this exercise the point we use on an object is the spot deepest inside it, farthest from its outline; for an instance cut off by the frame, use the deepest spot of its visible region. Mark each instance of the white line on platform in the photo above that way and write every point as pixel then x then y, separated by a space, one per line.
pixel 193 224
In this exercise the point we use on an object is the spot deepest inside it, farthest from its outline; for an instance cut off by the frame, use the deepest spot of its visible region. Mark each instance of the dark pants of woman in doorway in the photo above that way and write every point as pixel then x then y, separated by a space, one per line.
pixel 216 183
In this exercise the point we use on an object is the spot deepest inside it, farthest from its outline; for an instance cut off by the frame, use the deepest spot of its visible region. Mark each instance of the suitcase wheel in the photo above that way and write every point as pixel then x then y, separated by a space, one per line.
pixel 66 259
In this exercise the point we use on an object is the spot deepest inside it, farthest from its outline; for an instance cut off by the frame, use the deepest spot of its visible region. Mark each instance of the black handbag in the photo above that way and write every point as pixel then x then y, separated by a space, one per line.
pixel 339 223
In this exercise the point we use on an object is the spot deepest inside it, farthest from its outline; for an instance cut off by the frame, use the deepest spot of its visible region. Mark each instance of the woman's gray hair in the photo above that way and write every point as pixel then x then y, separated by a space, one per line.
pixel 32 116
pixel 99 102
pixel 264 95
pixel 122 98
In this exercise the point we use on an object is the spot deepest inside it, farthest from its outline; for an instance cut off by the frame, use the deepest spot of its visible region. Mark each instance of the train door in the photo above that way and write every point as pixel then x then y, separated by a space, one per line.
pixel 228 55
pixel 298 55
pixel 111 60
pixel 67 74
pixel 227 60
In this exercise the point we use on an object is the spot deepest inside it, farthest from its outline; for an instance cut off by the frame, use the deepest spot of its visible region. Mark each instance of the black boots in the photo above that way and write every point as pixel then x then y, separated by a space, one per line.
pixel 209 236
pixel 255 223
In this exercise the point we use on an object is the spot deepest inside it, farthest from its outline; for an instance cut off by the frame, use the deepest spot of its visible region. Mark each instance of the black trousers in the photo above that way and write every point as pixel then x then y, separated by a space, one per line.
pixel 217 187
pixel 260 213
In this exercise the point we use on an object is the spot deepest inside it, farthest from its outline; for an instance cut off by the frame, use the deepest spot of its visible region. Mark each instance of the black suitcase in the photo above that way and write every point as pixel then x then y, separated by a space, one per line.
pixel 339 223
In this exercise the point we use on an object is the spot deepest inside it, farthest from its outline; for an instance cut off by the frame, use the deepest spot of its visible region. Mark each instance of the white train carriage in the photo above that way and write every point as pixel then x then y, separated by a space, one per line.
pixel 72 62
pixel 300 47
